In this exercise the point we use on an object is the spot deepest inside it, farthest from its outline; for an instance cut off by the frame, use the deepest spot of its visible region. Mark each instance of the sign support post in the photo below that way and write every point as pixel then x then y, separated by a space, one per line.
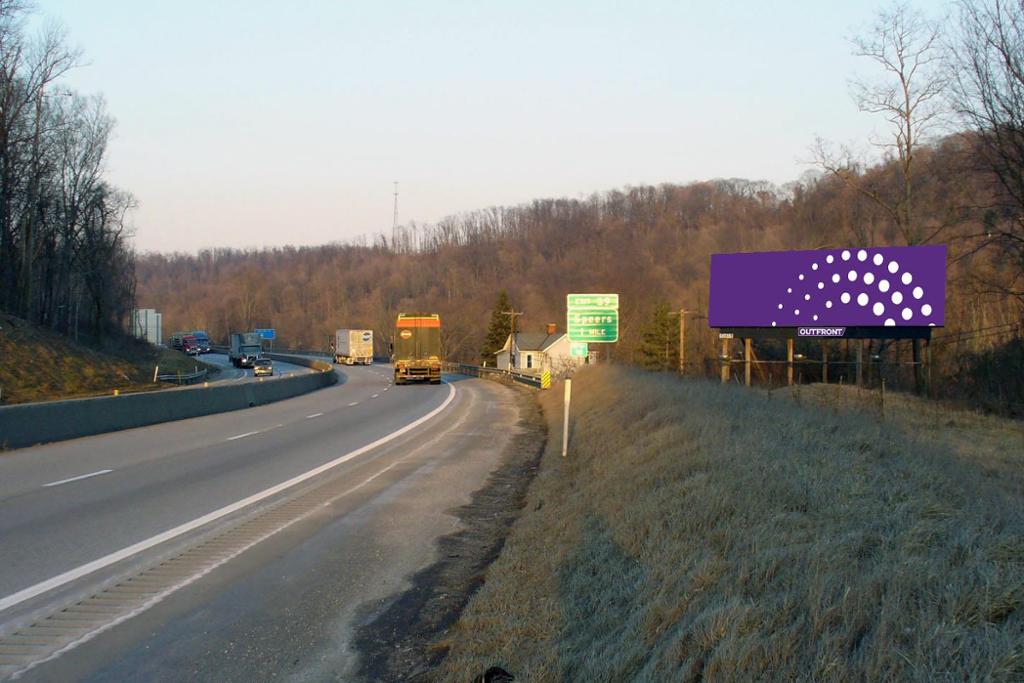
pixel 859 348
pixel 824 362
pixel 789 362
pixel 747 352
pixel 725 360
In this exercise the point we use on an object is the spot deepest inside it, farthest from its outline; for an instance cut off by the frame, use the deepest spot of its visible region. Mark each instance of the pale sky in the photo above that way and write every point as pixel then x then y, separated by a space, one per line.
pixel 247 123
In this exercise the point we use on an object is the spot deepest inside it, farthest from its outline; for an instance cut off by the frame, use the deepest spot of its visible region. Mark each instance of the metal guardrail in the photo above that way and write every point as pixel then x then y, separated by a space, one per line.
pixel 180 379
pixel 535 381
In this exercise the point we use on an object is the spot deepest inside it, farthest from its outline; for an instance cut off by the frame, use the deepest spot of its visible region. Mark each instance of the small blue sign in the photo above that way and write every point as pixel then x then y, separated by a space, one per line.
pixel 268 334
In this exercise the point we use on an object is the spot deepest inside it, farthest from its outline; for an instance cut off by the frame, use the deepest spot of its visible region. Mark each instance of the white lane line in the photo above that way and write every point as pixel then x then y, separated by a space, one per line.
pixel 354 403
pixel 78 478
pixel 375 396
pixel 159 597
pixel 310 417
pixel 241 436
pixel 117 556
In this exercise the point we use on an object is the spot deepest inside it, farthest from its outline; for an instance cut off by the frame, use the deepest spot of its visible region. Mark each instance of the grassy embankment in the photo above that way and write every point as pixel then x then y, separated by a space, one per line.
pixel 701 532
pixel 38 365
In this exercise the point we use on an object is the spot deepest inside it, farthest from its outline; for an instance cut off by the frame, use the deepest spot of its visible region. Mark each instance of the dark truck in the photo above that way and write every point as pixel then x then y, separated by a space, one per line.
pixel 245 348
pixel 416 351
pixel 202 340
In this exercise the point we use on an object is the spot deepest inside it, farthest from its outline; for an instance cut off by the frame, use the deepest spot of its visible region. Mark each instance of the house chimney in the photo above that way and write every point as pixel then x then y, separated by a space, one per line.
pixel 552 327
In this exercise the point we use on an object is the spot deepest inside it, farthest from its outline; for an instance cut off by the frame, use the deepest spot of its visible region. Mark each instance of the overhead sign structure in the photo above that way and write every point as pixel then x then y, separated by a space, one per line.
pixel 593 317
pixel 578 349
pixel 821 293
pixel 268 334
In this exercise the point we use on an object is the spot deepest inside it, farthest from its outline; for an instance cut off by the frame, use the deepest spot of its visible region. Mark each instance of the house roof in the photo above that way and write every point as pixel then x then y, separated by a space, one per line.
pixel 533 341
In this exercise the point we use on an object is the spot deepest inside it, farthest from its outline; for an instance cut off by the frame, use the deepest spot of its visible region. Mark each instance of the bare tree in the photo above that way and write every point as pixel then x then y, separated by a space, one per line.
pixel 906 47
pixel 987 74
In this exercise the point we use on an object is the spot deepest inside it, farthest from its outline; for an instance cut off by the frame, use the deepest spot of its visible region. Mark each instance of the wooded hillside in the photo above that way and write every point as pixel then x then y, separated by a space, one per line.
pixel 650 244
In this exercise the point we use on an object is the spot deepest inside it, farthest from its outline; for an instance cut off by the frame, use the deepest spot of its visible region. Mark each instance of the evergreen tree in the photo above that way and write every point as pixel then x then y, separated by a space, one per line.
pixel 498 330
pixel 659 349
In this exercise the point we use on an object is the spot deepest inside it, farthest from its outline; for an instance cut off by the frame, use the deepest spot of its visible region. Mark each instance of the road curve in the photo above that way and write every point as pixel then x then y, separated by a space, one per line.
pixel 230 373
pixel 65 505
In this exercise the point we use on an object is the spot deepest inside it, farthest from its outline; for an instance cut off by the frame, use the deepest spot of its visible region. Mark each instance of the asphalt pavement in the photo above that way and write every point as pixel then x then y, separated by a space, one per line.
pixel 229 373
pixel 286 604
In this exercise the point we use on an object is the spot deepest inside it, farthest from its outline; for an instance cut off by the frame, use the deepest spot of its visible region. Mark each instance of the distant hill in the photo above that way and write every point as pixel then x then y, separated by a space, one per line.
pixel 649 244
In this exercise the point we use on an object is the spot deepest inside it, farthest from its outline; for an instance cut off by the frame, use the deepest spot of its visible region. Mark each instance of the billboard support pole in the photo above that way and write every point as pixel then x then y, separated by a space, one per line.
pixel 824 362
pixel 789 362
pixel 859 348
pixel 747 344
pixel 725 361
pixel 928 367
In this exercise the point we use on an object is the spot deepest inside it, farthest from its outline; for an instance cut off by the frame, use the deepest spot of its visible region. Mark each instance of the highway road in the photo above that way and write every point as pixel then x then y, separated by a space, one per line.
pixel 193 543
pixel 230 373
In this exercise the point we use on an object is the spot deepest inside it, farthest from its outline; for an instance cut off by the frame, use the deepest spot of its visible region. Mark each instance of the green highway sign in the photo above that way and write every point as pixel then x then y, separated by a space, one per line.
pixel 592 301
pixel 593 317
pixel 578 349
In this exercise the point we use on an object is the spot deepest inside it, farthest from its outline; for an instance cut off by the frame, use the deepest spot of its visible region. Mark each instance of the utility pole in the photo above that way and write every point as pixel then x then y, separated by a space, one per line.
pixel 682 338
pixel 512 315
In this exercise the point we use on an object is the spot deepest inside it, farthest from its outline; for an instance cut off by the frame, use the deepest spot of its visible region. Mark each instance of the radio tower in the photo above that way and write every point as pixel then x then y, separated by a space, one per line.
pixel 394 222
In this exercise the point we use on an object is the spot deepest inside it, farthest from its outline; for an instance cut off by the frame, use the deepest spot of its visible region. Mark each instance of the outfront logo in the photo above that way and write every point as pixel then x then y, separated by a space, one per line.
pixel 820 331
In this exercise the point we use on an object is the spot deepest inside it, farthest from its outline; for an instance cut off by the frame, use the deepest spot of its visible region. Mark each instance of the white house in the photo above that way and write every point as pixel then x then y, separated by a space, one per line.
pixel 538 351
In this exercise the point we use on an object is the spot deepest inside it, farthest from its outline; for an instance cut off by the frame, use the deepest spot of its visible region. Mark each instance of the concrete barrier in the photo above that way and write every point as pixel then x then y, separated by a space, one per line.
pixel 33 423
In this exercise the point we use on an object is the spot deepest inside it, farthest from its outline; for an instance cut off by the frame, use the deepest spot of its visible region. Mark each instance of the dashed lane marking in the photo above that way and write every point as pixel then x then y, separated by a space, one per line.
pixel 241 436
pixel 78 478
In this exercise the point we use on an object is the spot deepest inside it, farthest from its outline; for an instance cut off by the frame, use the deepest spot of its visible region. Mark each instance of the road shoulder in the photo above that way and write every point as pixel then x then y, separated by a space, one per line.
pixel 399 643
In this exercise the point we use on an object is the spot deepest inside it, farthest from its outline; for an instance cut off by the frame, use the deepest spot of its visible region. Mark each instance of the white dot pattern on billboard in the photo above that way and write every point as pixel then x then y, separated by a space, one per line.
pixel 875 283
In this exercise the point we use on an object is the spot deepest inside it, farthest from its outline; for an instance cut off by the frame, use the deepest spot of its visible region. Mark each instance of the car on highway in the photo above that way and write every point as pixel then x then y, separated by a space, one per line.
pixel 262 367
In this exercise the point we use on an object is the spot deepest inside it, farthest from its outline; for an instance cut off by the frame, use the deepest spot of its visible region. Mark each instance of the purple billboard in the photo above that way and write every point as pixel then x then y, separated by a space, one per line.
pixel 868 287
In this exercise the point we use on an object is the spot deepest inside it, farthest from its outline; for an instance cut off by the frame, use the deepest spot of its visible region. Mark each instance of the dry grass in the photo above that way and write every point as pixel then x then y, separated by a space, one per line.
pixel 700 532
pixel 38 365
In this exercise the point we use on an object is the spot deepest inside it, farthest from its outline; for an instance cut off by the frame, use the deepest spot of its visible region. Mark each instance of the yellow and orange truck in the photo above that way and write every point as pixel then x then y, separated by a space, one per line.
pixel 416 350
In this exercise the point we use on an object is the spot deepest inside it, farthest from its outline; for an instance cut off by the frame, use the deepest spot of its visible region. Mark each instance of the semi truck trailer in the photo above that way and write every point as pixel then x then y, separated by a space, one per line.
pixel 416 350
pixel 353 346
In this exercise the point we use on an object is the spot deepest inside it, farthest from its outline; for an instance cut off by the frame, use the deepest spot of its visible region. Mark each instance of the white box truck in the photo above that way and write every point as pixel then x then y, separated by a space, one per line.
pixel 353 346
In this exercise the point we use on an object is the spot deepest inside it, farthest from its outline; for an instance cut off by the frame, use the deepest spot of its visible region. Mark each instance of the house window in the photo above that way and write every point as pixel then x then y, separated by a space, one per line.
pixel 529 360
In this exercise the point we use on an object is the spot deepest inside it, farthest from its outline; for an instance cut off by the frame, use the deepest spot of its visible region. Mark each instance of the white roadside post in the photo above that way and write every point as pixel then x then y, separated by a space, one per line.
pixel 565 419
pixel 589 318
pixel 156 371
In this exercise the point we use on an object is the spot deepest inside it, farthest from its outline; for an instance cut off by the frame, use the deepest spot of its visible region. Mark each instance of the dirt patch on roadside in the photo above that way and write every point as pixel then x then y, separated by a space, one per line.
pixel 400 644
